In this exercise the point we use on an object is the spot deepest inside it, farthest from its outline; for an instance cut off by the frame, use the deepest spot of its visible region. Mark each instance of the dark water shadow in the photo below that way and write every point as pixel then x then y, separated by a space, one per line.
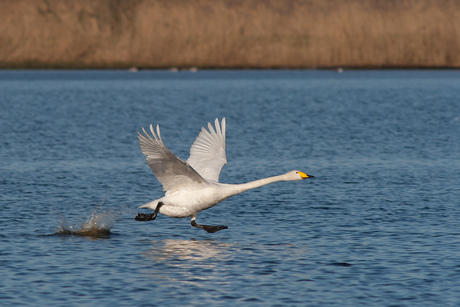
pixel 342 264
pixel 93 233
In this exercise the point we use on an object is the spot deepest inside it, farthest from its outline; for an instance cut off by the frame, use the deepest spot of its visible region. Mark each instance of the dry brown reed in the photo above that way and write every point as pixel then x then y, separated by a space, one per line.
pixel 229 33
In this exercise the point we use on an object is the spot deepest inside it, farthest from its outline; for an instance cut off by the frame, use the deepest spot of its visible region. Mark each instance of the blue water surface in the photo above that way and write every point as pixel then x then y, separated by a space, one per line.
pixel 379 225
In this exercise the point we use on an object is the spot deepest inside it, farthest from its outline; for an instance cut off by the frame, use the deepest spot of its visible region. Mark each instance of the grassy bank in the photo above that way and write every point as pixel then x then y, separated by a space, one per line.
pixel 229 33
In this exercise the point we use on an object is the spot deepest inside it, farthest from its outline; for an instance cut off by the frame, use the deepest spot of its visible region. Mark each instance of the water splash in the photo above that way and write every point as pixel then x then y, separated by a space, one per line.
pixel 98 224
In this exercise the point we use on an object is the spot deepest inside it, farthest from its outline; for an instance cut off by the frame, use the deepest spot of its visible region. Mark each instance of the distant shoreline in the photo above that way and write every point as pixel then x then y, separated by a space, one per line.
pixel 196 69
pixel 223 34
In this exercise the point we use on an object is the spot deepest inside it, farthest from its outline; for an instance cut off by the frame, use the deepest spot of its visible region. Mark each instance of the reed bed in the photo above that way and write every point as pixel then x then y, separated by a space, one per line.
pixel 229 33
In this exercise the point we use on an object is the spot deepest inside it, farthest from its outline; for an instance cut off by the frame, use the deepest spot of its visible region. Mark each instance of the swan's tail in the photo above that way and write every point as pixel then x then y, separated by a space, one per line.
pixel 151 205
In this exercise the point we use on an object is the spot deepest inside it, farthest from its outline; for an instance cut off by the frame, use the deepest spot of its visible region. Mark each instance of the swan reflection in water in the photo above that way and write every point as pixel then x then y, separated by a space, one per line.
pixel 190 262
pixel 191 250
pixel 208 263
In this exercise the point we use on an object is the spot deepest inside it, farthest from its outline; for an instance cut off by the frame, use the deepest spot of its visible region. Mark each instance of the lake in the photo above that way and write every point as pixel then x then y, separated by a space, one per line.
pixel 379 225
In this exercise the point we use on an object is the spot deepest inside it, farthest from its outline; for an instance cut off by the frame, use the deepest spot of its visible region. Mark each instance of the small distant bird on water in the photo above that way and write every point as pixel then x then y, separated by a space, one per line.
pixel 193 186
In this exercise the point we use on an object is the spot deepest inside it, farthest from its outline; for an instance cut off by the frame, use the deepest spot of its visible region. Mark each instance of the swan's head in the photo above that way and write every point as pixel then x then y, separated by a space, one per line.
pixel 298 175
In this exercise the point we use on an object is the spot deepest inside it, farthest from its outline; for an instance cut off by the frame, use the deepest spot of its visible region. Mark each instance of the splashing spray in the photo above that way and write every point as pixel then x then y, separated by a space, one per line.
pixel 97 224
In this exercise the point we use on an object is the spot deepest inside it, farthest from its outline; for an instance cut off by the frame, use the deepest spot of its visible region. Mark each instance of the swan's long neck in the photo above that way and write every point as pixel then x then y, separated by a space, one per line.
pixel 239 188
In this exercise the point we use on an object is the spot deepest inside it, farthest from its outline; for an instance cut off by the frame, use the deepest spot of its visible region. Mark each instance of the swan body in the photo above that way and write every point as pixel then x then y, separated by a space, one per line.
pixel 193 186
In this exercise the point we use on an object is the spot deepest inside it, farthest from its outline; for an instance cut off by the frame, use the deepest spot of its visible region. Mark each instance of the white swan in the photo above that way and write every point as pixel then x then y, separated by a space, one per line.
pixel 194 186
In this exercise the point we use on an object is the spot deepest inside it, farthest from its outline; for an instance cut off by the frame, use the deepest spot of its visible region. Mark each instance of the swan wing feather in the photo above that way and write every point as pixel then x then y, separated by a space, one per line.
pixel 172 172
pixel 207 154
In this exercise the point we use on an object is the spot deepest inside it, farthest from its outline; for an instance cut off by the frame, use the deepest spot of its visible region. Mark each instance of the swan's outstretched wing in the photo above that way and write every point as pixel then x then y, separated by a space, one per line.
pixel 207 154
pixel 172 172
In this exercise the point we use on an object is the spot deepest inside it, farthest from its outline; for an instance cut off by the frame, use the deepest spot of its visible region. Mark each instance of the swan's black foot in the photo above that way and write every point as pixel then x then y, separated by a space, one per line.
pixel 210 229
pixel 143 217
